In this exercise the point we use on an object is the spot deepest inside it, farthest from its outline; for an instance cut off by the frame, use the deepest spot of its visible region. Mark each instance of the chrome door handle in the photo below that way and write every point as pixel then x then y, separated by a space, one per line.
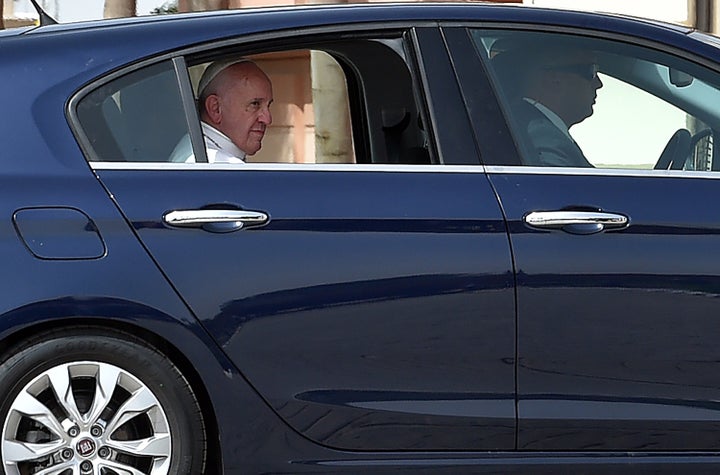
pixel 215 220
pixel 576 222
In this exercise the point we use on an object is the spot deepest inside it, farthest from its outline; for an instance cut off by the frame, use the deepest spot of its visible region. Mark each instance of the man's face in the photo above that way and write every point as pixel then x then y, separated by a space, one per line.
pixel 580 82
pixel 576 85
pixel 244 106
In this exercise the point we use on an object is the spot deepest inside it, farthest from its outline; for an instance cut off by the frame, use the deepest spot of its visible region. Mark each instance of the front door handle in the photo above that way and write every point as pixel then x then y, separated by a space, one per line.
pixel 215 220
pixel 576 222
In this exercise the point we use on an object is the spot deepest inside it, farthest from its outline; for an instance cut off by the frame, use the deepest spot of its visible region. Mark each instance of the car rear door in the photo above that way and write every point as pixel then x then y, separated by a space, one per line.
pixel 373 307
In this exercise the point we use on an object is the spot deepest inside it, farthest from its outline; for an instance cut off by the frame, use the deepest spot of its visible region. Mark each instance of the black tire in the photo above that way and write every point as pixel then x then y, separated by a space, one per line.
pixel 168 411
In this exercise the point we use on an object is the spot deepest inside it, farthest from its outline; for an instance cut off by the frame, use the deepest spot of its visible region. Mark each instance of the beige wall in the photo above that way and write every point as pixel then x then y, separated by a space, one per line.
pixel 291 135
pixel 9 20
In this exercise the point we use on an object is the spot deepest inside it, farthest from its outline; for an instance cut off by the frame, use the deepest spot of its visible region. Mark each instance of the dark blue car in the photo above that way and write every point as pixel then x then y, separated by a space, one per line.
pixel 483 282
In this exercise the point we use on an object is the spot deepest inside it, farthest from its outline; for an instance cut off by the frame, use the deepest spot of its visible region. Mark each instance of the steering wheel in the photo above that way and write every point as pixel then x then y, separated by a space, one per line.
pixel 703 155
pixel 676 151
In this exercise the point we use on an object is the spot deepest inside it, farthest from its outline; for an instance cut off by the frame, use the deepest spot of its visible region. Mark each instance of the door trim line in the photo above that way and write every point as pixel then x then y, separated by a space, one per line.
pixel 610 172
pixel 296 167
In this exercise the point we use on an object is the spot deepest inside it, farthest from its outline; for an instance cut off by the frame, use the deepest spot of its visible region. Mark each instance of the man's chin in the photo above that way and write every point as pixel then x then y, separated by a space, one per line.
pixel 254 144
pixel 252 150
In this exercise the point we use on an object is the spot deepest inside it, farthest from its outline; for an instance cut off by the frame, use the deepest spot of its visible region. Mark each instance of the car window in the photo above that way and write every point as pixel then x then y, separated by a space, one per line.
pixel 310 109
pixel 350 101
pixel 595 103
pixel 138 117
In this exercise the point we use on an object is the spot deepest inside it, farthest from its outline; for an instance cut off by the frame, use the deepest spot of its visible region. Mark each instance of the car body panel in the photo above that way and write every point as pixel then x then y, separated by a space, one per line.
pixel 379 253
pixel 123 289
pixel 617 330
pixel 283 297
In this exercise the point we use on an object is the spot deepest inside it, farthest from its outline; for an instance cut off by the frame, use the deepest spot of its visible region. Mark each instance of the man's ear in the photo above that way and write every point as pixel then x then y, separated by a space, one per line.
pixel 212 108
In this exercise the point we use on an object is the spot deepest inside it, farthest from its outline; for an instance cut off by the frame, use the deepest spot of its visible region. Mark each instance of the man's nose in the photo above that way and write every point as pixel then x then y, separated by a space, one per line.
pixel 265 116
pixel 598 82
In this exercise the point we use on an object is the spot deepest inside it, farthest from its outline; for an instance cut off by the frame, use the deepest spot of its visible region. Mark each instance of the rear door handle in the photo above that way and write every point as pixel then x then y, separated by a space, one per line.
pixel 576 222
pixel 215 220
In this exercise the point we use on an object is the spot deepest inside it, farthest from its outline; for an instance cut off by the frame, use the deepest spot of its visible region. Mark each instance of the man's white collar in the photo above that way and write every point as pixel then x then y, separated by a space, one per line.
pixel 552 117
pixel 216 140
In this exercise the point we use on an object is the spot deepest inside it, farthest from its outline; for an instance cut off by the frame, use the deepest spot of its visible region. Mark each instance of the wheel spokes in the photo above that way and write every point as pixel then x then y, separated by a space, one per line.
pixel 62 406
pixel 106 380
pixel 17 451
pixel 59 380
pixel 156 446
pixel 27 405
pixel 119 468
pixel 58 469
pixel 140 402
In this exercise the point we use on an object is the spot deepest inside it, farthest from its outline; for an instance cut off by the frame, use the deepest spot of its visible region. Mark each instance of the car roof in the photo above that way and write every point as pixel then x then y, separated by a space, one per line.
pixel 144 36
pixel 85 50
pixel 89 49
pixel 371 12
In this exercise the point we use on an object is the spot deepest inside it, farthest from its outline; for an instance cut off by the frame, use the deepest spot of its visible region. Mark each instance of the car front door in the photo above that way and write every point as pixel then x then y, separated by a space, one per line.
pixel 618 275
pixel 371 303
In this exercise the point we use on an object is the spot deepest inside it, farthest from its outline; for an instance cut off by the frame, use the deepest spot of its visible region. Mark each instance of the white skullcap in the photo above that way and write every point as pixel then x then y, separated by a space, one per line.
pixel 215 68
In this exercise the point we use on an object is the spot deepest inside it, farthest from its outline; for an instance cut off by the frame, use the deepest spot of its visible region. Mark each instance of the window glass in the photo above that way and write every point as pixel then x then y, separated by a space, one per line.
pixel 138 117
pixel 588 102
pixel 310 110
pixel 349 101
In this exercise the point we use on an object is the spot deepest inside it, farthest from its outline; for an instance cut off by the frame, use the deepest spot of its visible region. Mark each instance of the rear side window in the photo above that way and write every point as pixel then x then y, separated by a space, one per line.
pixel 136 118
pixel 344 101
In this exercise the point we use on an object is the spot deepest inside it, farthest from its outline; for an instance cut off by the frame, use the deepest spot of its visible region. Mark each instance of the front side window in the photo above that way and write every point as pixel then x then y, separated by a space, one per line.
pixel 593 103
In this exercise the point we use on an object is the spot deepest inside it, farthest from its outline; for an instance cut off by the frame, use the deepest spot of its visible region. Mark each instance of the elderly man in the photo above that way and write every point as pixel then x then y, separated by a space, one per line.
pixel 234 100
pixel 557 90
